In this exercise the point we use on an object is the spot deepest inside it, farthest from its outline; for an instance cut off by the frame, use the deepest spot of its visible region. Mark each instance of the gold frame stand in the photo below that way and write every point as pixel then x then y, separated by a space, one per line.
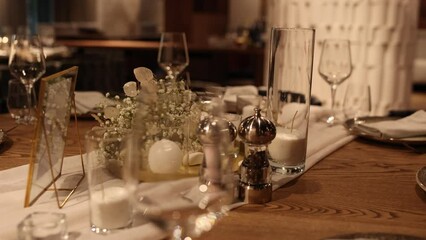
pixel 45 182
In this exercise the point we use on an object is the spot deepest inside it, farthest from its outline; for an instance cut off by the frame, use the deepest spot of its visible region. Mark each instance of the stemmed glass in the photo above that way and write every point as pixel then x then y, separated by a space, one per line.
pixel 357 102
pixel 335 67
pixel 27 63
pixel 173 53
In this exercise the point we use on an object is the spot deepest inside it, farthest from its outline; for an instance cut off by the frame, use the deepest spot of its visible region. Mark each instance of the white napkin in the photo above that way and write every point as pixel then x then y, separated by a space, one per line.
pixel 88 101
pixel 322 140
pixel 12 192
pixel 411 126
pixel 231 93
pixel 56 51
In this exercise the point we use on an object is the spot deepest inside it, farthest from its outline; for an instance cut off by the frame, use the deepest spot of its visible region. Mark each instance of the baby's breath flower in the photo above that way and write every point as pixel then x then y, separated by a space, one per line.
pixel 164 119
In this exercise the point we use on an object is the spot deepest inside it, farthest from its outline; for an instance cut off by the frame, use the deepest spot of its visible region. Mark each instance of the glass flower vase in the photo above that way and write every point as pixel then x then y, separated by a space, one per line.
pixel 164 121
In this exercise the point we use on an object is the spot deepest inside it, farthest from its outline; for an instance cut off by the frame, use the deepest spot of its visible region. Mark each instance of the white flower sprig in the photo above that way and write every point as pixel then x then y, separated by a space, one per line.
pixel 120 115
pixel 158 109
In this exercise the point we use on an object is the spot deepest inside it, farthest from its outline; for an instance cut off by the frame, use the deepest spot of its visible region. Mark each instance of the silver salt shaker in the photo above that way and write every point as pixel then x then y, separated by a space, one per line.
pixel 214 134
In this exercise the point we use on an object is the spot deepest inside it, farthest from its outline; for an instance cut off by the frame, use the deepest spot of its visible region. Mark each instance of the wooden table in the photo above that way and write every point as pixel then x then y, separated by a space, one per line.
pixel 362 187
pixel 20 150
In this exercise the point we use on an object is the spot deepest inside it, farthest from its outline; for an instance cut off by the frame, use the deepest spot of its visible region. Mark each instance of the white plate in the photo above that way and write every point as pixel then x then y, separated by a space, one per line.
pixel 421 178
pixel 2 136
pixel 374 236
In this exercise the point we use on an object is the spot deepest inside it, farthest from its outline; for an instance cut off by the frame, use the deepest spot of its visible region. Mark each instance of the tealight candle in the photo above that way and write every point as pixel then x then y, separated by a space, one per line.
pixel 165 156
pixel 288 147
pixel 110 208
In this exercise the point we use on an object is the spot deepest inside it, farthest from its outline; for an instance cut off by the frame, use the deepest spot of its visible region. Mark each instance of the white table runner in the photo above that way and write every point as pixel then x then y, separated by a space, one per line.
pixel 322 140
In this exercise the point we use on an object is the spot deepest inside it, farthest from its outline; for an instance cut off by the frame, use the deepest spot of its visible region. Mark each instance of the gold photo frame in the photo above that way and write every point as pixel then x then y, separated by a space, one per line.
pixel 56 99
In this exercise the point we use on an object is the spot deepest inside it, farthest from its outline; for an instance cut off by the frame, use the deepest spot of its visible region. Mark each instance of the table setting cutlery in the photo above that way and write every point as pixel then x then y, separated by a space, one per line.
pixel 409 131
pixel 410 126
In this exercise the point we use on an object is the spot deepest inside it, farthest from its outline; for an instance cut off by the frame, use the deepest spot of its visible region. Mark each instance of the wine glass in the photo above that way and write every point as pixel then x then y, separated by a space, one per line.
pixel 17 100
pixel 27 63
pixel 357 102
pixel 161 188
pixel 173 53
pixel 335 67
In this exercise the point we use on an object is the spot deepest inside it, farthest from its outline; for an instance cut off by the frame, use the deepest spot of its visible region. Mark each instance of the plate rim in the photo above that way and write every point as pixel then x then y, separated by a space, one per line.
pixel 421 184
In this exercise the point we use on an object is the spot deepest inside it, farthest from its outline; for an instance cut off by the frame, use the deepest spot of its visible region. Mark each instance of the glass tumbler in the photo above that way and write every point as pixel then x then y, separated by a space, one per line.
pixel 43 225
pixel 110 208
pixel 357 102
pixel 289 96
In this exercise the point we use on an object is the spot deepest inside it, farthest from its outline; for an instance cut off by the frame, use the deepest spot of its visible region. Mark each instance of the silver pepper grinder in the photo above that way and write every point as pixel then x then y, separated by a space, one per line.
pixel 214 134
pixel 255 185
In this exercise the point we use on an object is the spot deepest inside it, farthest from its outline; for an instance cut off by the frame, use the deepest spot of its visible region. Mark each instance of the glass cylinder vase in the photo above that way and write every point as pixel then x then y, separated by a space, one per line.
pixel 165 121
pixel 289 96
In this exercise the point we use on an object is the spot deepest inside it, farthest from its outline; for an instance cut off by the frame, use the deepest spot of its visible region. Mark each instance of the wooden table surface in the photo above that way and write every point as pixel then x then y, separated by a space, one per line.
pixel 363 187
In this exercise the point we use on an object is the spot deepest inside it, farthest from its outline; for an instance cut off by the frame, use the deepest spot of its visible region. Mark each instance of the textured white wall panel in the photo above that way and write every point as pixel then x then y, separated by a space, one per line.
pixel 383 38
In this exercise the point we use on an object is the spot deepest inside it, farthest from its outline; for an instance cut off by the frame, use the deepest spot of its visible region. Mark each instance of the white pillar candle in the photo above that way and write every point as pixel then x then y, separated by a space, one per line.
pixel 288 147
pixel 110 208
pixel 165 156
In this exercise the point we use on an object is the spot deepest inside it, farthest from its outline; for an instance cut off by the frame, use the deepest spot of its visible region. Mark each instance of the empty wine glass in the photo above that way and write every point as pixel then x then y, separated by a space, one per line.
pixel 173 53
pixel 357 102
pixel 335 67
pixel 17 100
pixel 27 63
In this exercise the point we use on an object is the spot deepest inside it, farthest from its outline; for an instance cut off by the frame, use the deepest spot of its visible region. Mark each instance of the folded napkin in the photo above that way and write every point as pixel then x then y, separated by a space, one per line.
pixel 411 126
pixel 86 102
pixel 231 93
pixel 56 51
pixel 241 90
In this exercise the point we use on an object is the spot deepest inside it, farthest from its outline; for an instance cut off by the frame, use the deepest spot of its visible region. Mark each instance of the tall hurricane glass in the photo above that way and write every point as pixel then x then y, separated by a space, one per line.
pixel 289 97
pixel 173 53
pixel 335 67
pixel 27 63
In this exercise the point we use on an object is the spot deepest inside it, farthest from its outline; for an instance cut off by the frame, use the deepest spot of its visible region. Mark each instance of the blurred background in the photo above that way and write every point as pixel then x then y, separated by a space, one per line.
pixel 107 39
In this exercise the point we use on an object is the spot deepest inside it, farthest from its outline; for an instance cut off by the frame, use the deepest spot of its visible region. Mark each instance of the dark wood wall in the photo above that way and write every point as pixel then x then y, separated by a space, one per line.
pixel 422 14
pixel 199 19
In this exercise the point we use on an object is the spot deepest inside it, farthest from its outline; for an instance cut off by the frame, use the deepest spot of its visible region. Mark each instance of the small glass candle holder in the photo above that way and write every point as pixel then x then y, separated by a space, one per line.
pixel 109 202
pixel 17 102
pixel 43 225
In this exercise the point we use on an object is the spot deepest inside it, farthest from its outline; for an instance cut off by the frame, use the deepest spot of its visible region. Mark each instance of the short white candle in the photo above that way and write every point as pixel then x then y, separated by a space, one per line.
pixel 110 208
pixel 288 147
pixel 165 156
